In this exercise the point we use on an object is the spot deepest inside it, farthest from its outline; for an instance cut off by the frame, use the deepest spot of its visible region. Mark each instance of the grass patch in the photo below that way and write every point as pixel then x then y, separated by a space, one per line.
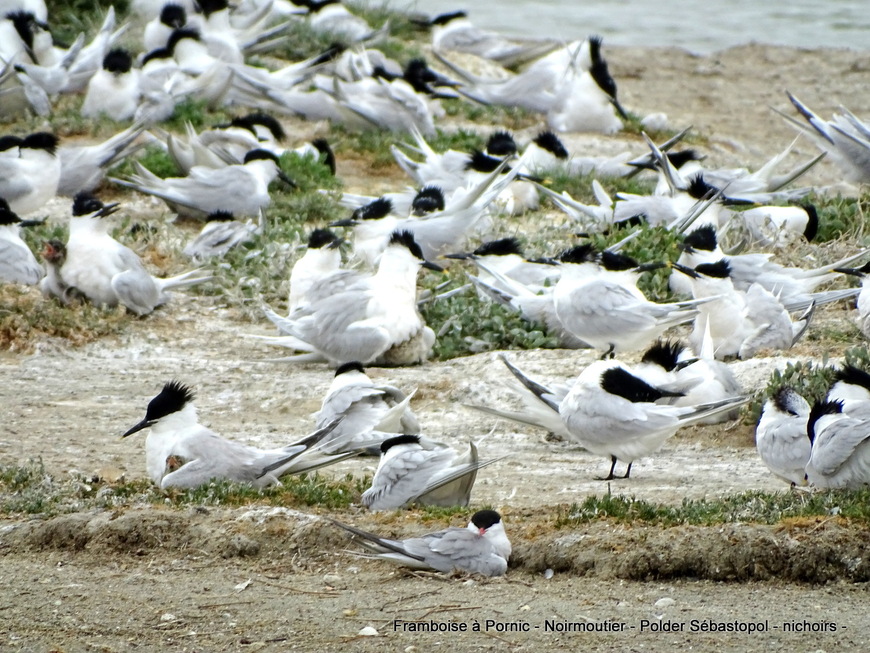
pixel 506 117
pixel 752 507
pixel 842 216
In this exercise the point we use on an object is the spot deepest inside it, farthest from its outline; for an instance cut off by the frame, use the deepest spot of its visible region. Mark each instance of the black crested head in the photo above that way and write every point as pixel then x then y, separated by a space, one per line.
pixel 156 54
pixel 812 227
pixel 220 216
pixel 179 35
pixel 264 120
pixel 703 238
pixel 482 162
pixel 547 140
pixel 616 262
pixel 7 216
pixel 260 154
pixel 322 146
pixel 386 445
pixel 664 353
pixel 40 141
pixel 379 72
pixel 209 7
pixel 320 238
pixel 406 239
pixel 819 410
pixel 501 144
pixel 171 399
pixel 375 210
pixel 173 15
pixel 85 204
pixel 718 270
pixel 501 247
pixel 352 366
pixel 621 382
pixel 595 42
pixel 699 188
pixel 485 519
pixel 118 61
pixel 787 400
pixel 8 142
pixel 681 158
pixel 443 19
pixel 23 22
pixel 853 376
pixel 427 200
pixel 585 253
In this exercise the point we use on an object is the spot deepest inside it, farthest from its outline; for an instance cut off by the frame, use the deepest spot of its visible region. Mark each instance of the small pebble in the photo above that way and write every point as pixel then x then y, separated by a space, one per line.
pixel 368 631
pixel 664 603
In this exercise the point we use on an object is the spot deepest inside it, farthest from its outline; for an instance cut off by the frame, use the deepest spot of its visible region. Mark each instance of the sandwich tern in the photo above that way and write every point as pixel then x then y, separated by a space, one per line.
pixel 781 435
pixel 840 455
pixel 30 180
pixel 17 262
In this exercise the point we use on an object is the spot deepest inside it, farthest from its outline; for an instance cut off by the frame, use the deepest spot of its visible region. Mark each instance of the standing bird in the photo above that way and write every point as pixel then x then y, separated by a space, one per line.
pixel 204 455
pixel 416 470
pixel 107 272
pixel 480 548
pixel 781 435
pixel 17 262
pixel 612 412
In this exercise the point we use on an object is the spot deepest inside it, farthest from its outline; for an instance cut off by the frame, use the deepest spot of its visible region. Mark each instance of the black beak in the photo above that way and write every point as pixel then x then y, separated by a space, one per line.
pixel 619 108
pixel 686 270
pixel 857 272
pixel 31 223
pixel 338 242
pixel 347 222
pixel 108 209
pixel 649 267
pixel 283 177
pixel 462 256
pixel 144 424
pixel 432 266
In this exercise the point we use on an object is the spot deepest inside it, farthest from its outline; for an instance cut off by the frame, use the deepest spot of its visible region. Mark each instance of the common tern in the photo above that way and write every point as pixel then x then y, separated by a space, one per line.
pixel 781 435
pixel 480 548
pixel 205 456
pixel 107 272
pixel 612 412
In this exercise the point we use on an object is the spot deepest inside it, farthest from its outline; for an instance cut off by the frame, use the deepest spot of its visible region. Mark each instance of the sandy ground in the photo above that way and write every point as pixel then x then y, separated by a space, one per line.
pixel 224 580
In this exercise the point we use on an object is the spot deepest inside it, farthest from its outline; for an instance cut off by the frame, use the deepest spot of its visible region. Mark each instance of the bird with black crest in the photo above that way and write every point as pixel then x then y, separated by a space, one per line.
pixel 114 90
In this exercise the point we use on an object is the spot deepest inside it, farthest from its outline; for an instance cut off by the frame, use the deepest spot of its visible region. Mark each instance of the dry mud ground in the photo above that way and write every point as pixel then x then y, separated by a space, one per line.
pixel 156 578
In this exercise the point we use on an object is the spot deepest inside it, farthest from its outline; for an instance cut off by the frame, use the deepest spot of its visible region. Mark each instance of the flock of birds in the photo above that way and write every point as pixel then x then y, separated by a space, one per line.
pixel 366 311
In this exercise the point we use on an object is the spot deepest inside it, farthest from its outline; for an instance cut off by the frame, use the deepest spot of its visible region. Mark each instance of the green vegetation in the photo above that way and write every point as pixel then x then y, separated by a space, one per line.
pixel 753 507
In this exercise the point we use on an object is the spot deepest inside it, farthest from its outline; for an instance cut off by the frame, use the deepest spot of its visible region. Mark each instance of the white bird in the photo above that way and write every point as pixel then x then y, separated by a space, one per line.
pixel 172 16
pixel 30 180
pixel 740 323
pixel 480 548
pixel 322 257
pixel 414 469
pixel 612 412
pixel 220 234
pixel 455 32
pixel 780 226
pixel 505 256
pixel 852 387
pixel 332 17
pixel 840 456
pixel 17 262
pixel 364 407
pixel 845 138
pixel 107 272
pixel 177 437
pixel 781 435
pixel 370 318
pixel 114 90
pixel 239 189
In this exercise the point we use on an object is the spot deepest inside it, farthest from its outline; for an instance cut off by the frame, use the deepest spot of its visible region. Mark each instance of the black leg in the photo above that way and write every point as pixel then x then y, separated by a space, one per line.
pixel 609 353
pixel 610 476
pixel 628 471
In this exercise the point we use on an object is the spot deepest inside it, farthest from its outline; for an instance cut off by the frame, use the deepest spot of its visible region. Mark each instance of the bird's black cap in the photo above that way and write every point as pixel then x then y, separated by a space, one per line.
pixel 174 397
pixel 352 366
pixel 386 445
pixel 485 518
pixel 820 409
pixel 621 382
pixel 664 353
pixel 118 61
pixel 40 141
pixel 502 144
pixel 547 140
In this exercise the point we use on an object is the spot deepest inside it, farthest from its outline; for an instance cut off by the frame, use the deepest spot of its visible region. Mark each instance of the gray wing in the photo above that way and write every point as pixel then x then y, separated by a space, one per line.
pixel 457 548
pixel 602 307
pixel 13 185
pixel 17 263
pixel 837 443
pixel 401 478
pixel 136 290
pixel 218 239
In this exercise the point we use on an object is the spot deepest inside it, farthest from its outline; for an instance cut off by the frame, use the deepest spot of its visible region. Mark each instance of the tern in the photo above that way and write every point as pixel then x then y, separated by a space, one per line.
pixel 840 456
pixel 30 180
pixel 17 262
pixel 113 91
pixel 480 548
pixel 781 435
